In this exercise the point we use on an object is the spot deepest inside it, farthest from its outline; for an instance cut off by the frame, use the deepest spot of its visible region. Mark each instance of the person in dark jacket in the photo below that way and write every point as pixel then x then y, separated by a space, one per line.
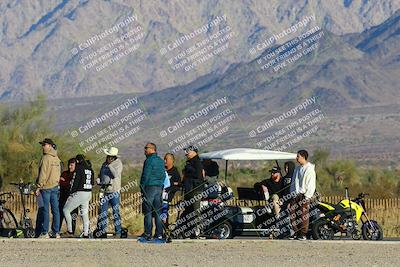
pixel 193 182
pixel 173 174
pixel 151 185
pixel 273 188
pixel 65 186
pixel 193 172
pixel 80 195
pixel 211 168
pixel 211 171
pixel 289 167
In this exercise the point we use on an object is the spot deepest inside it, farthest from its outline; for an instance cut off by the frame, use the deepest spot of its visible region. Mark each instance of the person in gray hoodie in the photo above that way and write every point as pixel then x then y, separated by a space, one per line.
pixel 303 188
pixel 110 181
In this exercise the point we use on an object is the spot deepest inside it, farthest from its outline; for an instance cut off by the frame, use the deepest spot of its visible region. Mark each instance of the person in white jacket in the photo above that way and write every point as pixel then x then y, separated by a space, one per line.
pixel 303 188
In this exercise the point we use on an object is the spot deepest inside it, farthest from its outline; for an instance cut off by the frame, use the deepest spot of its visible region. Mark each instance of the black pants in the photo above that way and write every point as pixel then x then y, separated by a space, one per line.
pixel 171 192
pixel 192 212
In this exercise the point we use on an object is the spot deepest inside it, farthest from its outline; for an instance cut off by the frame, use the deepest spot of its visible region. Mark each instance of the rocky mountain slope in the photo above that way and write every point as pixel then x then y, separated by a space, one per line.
pixel 41 40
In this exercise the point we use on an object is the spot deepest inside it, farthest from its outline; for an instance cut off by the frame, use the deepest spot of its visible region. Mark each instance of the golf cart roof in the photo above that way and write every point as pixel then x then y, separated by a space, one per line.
pixel 248 154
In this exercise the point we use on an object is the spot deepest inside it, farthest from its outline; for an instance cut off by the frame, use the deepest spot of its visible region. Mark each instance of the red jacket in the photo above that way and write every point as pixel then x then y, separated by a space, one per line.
pixel 66 184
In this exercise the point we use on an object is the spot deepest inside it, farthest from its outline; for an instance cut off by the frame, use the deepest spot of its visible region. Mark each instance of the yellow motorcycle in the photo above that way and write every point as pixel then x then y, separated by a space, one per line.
pixel 345 217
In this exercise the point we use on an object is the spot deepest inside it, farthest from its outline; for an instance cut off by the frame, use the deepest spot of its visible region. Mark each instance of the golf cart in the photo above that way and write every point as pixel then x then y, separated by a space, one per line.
pixel 224 220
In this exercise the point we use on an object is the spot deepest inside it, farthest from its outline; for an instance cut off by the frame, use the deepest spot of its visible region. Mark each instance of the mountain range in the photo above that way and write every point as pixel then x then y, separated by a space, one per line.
pixel 349 64
pixel 38 39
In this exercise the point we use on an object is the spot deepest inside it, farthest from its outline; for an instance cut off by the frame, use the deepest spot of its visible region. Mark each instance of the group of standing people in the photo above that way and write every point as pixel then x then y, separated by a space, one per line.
pixel 160 176
pixel 65 191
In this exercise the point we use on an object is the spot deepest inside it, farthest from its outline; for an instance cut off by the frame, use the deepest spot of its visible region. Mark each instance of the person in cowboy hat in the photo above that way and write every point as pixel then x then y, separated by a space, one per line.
pixel 110 180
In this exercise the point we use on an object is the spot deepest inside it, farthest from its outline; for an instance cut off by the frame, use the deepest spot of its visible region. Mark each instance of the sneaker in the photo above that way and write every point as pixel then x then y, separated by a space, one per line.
pixel 145 236
pixel 292 237
pixel 98 233
pixel 160 237
pixel 83 235
pixel 302 238
pixel 53 235
pixel 44 236
pixel 68 235
pixel 57 236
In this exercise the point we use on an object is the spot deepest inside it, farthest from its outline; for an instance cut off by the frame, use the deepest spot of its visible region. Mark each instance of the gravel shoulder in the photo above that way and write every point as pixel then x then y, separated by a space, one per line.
pixel 128 252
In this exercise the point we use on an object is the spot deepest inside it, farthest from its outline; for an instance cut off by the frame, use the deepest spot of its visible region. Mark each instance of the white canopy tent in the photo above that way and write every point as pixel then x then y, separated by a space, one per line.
pixel 247 154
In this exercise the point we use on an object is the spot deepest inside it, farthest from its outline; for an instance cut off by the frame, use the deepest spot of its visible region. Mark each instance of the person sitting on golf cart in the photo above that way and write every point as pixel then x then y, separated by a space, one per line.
pixel 273 188
pixel 211 171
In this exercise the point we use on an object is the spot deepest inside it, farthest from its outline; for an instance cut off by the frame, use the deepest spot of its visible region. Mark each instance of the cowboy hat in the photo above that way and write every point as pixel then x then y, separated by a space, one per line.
pixel 111 151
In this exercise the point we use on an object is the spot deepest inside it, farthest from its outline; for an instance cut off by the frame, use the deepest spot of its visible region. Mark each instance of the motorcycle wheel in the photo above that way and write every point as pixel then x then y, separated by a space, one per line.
pixel 322 230
pixel 356 235
pixel 372 231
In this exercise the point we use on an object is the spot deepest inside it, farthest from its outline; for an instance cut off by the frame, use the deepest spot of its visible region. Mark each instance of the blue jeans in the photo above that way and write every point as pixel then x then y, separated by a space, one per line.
pixel 50 198
pixel 112 199
pixel 152 202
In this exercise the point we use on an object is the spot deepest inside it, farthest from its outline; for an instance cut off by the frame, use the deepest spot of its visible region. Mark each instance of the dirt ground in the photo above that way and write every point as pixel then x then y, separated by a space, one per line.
pixel 128 252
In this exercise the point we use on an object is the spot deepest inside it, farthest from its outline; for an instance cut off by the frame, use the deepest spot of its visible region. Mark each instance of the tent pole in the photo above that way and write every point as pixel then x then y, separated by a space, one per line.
pixel 226 171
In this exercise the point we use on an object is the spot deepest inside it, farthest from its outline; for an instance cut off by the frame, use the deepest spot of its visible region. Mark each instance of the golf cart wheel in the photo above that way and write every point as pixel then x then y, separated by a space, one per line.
pixel 274 232
pixel 224 230
pixel 322 230
pixel 372 231
pixel 29 232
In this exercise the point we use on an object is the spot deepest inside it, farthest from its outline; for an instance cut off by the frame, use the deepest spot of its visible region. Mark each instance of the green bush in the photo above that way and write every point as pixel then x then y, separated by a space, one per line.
pixel 22 128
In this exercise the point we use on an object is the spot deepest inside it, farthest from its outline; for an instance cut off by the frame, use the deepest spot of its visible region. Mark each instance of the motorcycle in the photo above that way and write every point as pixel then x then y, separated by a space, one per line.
pixel 345 217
